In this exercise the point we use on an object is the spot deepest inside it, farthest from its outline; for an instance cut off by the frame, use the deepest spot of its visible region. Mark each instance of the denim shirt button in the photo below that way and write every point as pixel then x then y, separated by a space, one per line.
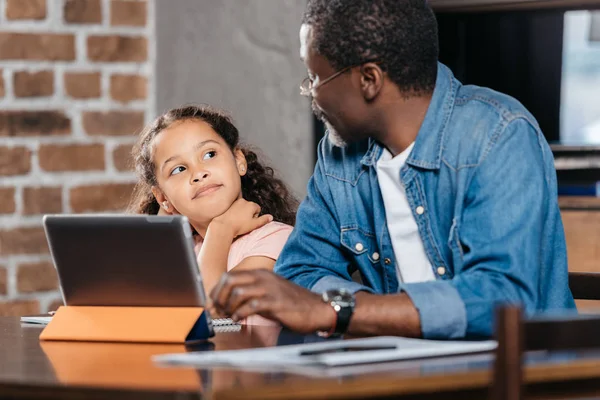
pixel 420 210
pixel 375 256
pixel 441 271
pixel 359 247
pixel 387 261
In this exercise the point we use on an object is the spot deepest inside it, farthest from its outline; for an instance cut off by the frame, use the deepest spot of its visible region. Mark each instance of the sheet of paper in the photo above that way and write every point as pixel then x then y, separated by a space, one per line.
pixel 451 363
pixel 42 320
pixel 330 353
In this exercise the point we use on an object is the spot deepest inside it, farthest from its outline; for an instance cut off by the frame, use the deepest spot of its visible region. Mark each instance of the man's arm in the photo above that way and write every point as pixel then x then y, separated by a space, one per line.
pixel 391 315
pixel 500 231
pixel 312 256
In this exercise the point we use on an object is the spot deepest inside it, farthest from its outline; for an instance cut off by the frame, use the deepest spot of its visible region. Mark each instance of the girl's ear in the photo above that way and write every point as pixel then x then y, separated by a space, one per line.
pixel 160 197
pixel 240 160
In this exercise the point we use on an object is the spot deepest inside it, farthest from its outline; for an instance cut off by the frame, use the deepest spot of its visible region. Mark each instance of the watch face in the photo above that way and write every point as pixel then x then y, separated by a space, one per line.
pixel 340 297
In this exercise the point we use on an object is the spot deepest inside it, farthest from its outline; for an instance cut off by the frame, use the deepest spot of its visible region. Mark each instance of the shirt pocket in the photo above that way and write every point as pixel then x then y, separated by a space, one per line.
pixel 360 244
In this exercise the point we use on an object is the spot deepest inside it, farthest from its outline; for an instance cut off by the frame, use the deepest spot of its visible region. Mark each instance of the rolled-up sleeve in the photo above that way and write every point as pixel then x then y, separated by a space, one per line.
pixel 441 309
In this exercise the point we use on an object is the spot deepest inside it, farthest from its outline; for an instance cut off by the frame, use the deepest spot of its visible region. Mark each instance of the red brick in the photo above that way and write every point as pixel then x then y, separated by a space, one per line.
pixel 3 281
pixel 14 161
pixel 131 13
pixel 34 123
pixel 117 48
pixel 122 158
pixel 19 308
pixel 33 84
pixel 7 200
pixel 29 240
pixel 113 123
pixel 107 197
pixel 125 88
pixel 25 9
pixel 83 85
pixel 42 200
pixel 37 46
pixel 83 11
pixel 72 157
pixel 36 277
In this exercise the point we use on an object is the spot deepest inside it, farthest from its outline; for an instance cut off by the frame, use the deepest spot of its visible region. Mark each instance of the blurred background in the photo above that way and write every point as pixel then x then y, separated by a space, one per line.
pixel 79 78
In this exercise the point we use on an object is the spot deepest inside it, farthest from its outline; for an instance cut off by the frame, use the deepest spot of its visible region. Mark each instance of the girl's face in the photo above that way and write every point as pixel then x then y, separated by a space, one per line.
pixel 197 173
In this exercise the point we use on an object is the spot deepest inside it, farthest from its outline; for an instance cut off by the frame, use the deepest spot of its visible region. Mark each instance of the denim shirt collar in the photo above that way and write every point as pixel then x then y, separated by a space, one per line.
pixel 427 152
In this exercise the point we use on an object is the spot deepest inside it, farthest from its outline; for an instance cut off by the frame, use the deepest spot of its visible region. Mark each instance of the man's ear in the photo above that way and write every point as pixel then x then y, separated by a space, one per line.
pixel 241 162
pixel 162 200
pixel 371 80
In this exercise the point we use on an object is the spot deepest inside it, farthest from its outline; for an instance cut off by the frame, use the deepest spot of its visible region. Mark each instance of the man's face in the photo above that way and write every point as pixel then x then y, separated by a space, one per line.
pixel 338 103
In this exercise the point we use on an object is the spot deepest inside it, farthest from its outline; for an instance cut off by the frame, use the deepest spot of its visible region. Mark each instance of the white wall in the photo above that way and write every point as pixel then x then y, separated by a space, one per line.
pixel 242 56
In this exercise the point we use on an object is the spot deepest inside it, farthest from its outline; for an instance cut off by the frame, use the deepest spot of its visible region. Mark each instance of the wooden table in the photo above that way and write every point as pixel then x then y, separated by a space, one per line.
pixel 61 370
pixel 581 220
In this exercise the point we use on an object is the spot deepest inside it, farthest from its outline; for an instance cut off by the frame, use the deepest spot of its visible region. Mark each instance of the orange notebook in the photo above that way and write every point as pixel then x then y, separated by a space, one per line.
pixel 129 324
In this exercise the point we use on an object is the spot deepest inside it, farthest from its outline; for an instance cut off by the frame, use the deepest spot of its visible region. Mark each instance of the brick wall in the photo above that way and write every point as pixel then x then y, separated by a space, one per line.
pixel 76 84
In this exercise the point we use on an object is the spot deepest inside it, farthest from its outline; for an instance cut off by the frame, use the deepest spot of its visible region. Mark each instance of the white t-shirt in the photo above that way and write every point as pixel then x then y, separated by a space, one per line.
pixel 412 262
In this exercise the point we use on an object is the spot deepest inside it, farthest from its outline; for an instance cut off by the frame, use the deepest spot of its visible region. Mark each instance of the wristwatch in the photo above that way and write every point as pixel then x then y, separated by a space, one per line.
pixel 343 303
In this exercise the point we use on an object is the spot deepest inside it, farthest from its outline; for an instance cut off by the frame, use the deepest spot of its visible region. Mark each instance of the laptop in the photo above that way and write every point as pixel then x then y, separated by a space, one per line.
pixel 125 260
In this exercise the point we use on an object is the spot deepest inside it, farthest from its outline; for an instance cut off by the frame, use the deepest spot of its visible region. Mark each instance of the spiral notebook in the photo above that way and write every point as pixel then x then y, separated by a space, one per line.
pixel 220 324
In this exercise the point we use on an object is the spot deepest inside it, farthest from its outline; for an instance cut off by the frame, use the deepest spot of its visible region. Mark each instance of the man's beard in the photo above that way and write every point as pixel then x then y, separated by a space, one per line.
pixel 334 136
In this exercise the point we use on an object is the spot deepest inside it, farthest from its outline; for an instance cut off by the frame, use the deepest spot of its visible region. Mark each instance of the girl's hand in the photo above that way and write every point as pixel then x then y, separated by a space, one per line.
pixel 242 217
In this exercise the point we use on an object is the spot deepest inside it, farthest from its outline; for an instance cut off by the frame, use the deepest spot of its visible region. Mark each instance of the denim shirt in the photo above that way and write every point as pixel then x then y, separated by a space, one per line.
pixel 481 183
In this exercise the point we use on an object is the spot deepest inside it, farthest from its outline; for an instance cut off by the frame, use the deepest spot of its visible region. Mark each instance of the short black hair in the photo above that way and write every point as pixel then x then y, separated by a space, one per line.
pixel 401 34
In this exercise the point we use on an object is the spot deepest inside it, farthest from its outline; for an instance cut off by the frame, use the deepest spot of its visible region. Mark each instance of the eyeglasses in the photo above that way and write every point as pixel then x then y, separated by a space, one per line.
pixel 307 87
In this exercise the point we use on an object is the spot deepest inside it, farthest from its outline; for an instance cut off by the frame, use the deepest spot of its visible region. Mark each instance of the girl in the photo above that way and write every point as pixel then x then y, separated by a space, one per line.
pixel 189 162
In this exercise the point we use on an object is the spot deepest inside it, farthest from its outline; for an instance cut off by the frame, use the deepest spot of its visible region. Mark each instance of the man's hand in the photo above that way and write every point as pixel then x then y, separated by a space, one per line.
pixel 244 293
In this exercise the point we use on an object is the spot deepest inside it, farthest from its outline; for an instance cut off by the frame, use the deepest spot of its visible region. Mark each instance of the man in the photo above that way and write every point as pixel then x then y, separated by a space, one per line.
pixel 442 196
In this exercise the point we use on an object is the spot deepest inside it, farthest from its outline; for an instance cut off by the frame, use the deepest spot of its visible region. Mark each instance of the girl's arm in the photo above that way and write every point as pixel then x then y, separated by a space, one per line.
pixel 255 262
pixel 213 255
pixel 241 218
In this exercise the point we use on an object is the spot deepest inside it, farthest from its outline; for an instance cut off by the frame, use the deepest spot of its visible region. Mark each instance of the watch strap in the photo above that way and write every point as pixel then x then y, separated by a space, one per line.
pixel 343 320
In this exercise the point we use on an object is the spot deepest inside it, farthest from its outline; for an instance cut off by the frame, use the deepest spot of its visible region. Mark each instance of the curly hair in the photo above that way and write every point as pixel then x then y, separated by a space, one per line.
pixel 259 185
pixel 400 34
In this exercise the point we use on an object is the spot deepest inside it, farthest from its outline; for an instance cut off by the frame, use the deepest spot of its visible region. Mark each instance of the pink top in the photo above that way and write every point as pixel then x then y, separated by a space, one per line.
pixel 267 241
